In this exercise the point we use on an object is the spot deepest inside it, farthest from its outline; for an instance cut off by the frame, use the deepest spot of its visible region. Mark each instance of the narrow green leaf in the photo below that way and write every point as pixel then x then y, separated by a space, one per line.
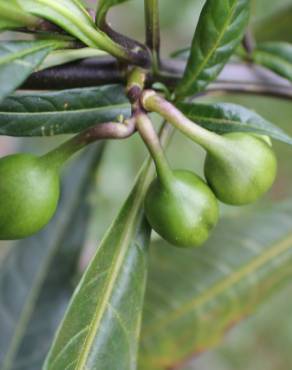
pixel 71 15
pixel 276 56
pixel 102 324
pixel 194 296
pixel 12 16
pixel 36 278
pixel 67 111
pixel 19 59
pixel 226 117
pixel 60 57
pixel 219 31
pixel 103 8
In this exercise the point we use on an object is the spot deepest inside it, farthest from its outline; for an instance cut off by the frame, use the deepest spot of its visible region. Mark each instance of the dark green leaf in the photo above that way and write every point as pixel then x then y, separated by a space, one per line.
pixel 36 278
pixel 101 327
pixel 67 111
pixel 227 117
pixel 12 16
pixel 276 56
pixel 19 59
pixel 194 296
pixel 219 31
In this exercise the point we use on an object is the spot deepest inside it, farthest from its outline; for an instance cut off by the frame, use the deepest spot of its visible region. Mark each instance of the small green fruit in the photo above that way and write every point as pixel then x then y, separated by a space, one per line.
pixel 241 170
pixel 29 194
pixel 184 212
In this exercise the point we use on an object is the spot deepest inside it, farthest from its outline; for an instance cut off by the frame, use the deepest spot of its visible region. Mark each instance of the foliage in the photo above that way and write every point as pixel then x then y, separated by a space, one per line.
pixel 106 321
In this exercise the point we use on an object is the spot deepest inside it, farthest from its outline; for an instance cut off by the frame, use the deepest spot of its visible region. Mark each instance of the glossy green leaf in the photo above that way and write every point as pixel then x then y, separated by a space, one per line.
pixel 102 324
pixel 276 56
pixel 226 117
pixel 194 296
pixel 67 111
pixel 103 8
pixel 219 31
pixel 19 59
pixel 36 278
pixel 12 16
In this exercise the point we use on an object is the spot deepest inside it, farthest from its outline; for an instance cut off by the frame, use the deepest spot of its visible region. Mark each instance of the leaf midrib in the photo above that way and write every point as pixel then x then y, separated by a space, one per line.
pixel 212 50
pixel 20 54
pixel 220 287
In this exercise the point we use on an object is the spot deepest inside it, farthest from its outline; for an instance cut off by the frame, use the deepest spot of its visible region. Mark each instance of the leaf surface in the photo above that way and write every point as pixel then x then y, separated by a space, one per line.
pixel 37 276
pixel 226 117
pixel 12 16
pixel 194 296
pixel 220 29
pixel 276 56
pixel 18 60
pixel 61 112
pixel 102 324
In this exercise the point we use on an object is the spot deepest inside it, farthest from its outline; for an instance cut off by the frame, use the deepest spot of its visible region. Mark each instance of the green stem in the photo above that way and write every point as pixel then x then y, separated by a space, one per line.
pixel 151 139
pixel 154 103
pixel 153 30
pixel 135 84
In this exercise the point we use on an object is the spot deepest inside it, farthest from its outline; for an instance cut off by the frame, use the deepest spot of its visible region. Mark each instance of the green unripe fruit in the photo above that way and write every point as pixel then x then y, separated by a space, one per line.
pixel 29 194
pixel 241 170
pixel 184 212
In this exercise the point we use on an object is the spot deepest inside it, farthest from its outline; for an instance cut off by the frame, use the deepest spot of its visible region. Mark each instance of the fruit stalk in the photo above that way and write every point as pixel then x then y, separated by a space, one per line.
pixel 110 130
pixel 151 139
pixel 153 102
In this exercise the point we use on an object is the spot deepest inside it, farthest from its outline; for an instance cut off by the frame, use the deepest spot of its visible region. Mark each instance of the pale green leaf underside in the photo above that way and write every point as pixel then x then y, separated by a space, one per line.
pixel 276 56
pixel 225 117
pixel 221 27
pixel 101 327
pixel 70 15
pixel 12 15
pixel 193 296
pixel 37 275
pixel 18 60
pixel 61 112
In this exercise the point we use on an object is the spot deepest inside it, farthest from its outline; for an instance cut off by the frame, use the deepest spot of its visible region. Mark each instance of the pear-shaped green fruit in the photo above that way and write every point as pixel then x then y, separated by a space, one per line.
pixel 29 194
pixel 184 212
pixel 241 170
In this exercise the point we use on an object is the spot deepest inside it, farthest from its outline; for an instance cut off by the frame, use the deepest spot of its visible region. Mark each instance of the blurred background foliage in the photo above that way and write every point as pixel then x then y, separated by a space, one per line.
pixel 263 341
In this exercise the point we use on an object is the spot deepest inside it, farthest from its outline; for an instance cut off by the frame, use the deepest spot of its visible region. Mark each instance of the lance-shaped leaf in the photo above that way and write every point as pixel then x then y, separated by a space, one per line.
pixel 12 16
pixel 102 324
pixel 71 15
pixel 67 111
pixel 276 56
pixel 220 29
pixel 36 278
pixel 19 59
pixel 194 296
pixel 226 117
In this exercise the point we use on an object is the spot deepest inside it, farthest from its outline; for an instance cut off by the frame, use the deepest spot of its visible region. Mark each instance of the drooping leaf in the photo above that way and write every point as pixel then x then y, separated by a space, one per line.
pixel 36 278
pixel 101 327
pixel 276 56
pixel 70 15
pixel 19 59
pixel 226 117
pixel 219 31
pixel 103 8
pixel 73 17
pixel 12 16
pixel 194 296
pixel 67 111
